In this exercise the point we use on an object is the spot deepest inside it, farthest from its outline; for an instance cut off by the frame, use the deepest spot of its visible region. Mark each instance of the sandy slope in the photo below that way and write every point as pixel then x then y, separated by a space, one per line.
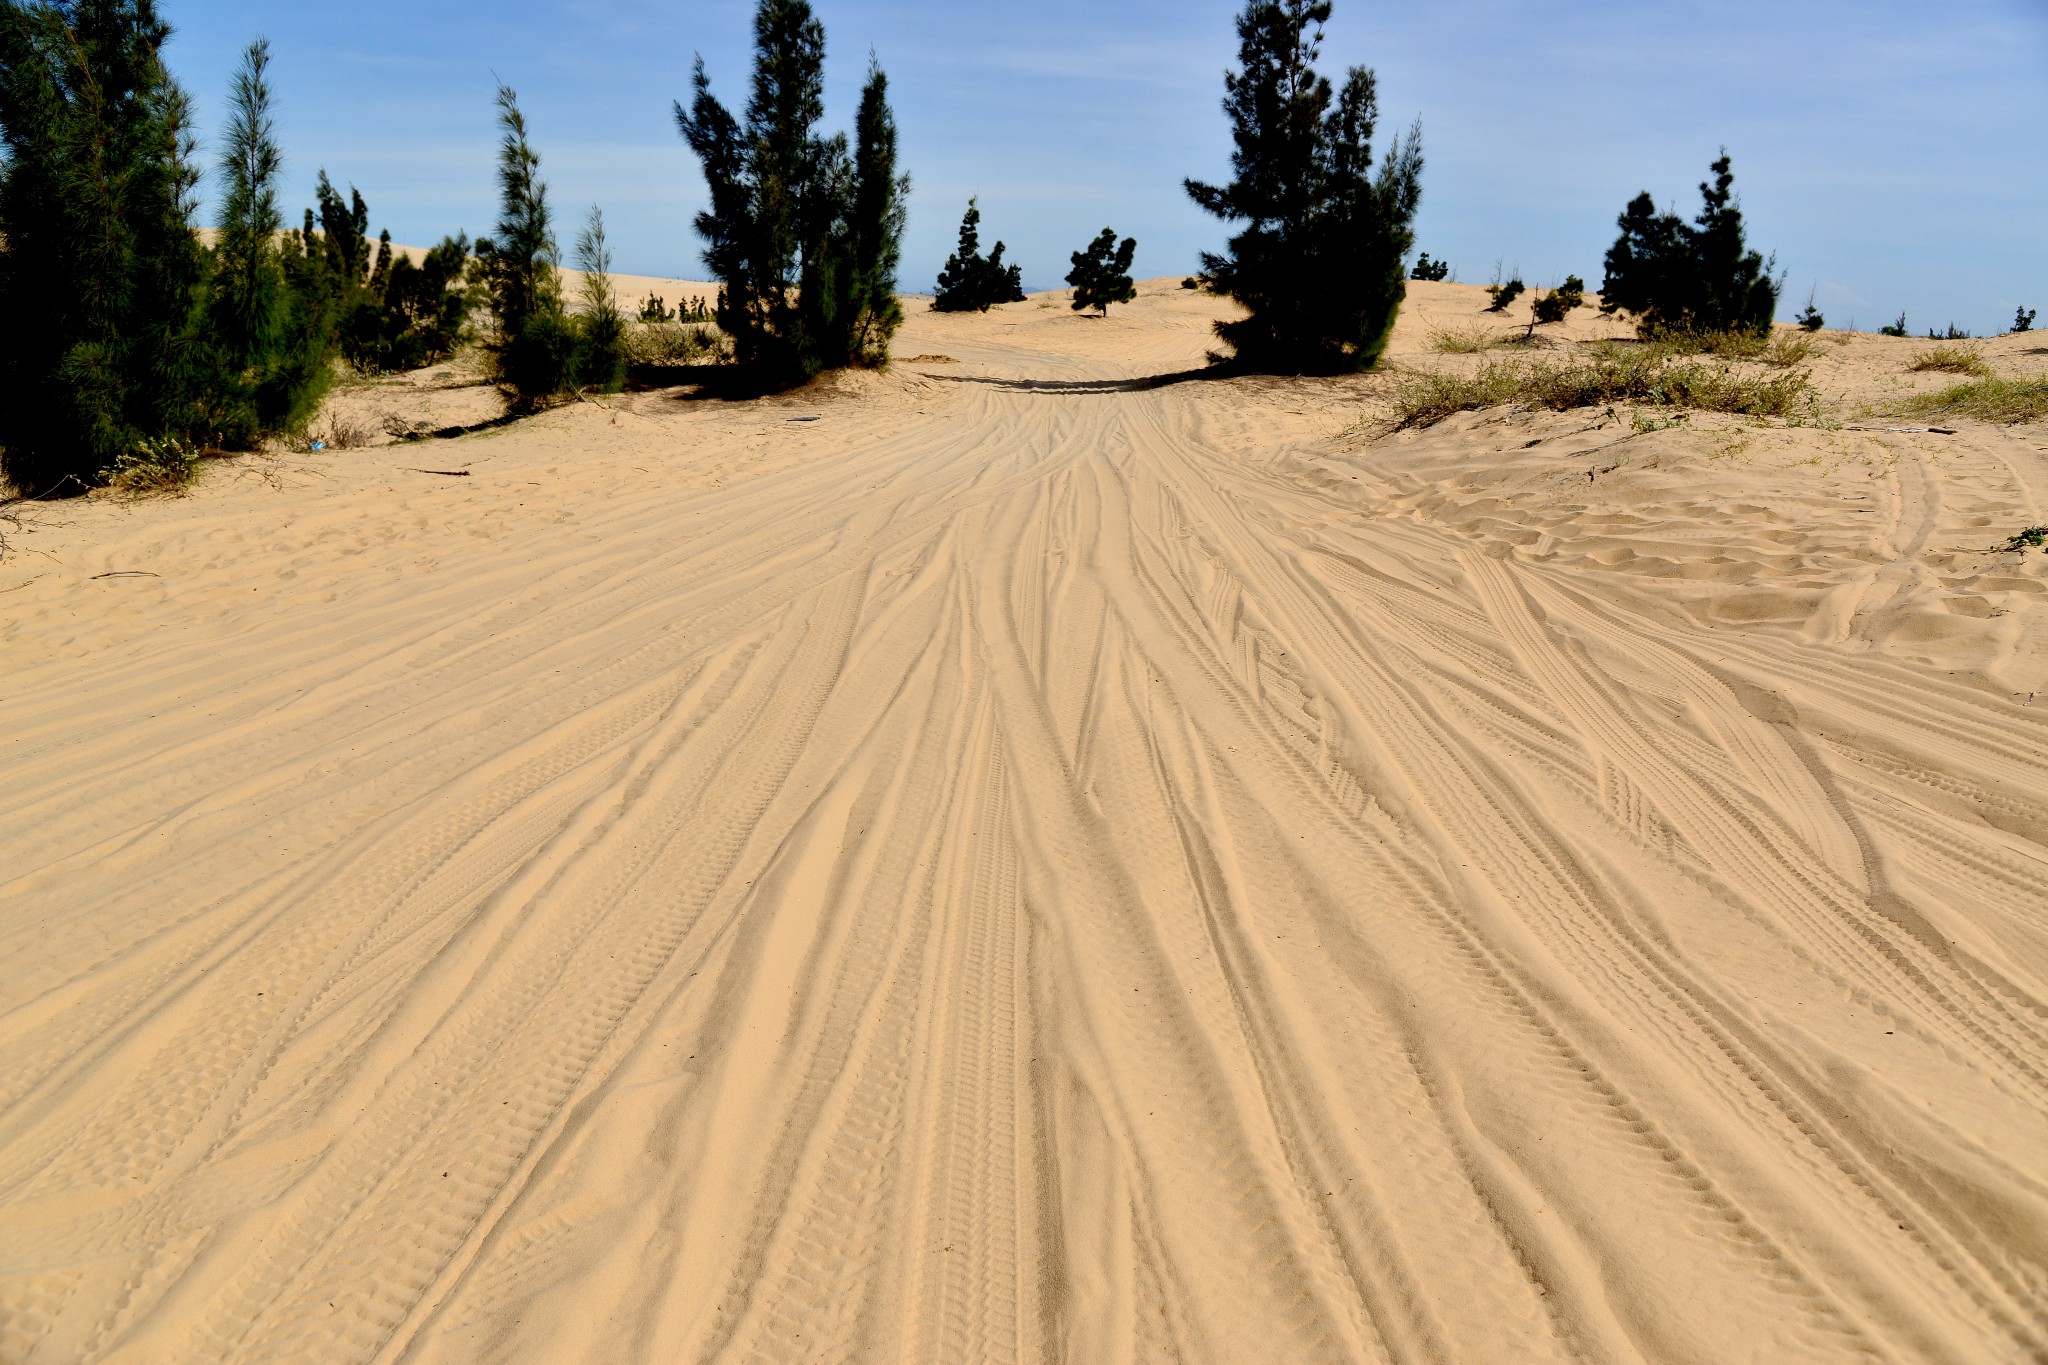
pixel 1029 866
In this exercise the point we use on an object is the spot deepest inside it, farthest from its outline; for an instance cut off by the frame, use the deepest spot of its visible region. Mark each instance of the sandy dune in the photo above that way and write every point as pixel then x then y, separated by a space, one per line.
pixel 1031 866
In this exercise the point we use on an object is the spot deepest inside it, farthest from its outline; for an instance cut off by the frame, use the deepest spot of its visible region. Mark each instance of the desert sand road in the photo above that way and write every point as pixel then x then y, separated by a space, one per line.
pixel 1026 867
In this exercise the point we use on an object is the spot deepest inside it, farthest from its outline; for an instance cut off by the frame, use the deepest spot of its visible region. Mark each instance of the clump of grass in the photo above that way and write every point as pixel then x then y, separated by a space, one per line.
pixel 1781 349
pixel 1465 340
pixel 672 343
pixel 1648 375
pixel 1952 360
pixel 156 465
pixel 1993 400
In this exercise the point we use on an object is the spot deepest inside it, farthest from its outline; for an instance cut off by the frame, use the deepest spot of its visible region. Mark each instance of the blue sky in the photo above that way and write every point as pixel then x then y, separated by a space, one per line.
pixel 1891 152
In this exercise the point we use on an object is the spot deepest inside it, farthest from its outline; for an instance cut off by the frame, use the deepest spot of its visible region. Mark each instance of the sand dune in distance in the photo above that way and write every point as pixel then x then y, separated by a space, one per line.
pixel 998 861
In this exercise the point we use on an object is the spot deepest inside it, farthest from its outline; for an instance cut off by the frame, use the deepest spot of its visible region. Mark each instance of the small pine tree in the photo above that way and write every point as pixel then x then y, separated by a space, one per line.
pixel 1427 269
pixel 601 330
pixel 1698 276
pixel 1557 304
pixel 101 272
pixel 652 309
pixel 875 223
pixel 1809 317
pixel 2023 319
pixel 1318 264
pixel 535 343
pixel 970 282
pixel 1504 293
pixel 1102 273
pixel 1894 329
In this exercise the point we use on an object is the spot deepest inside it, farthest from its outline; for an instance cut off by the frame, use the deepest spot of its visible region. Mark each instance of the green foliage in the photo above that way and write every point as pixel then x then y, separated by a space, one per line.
pixel 406 315
pixel 1191 283
pixel 1504 293
pixel 535 344
pixel 101 274
pixel 1894 329
pixel 1102 273
pixel 1558 303
pixel 1426 269
pixel 2033 537
pixel 1697 276
pixel 1318 263
pixel 601 328
pixel 1992 400
pixel 1610 374
pixel 2023 319
pixel 970 282
pixel 652 309
pixel 803 234
pixel 1809 318
pixel 1953 333
pixel 1952 360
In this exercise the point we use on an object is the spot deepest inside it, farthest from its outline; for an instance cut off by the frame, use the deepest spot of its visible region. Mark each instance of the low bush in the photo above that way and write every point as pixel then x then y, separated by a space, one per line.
pixel 2023 319
pixel 1503 294
pixel 161 465
pixel 1952 360
pixel 1465 340
pixel 1894 329
pixel 1555 305
pixel 659 344
pixel 1426 269
pixel 1609 374
pixel 1993 400
pixel 2034 537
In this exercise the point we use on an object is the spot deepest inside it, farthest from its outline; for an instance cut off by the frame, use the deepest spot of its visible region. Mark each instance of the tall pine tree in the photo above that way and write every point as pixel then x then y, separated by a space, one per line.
pixel 274 348
pixel 535 343
pixel 101 273
pixel 802 232
pixel 1318 265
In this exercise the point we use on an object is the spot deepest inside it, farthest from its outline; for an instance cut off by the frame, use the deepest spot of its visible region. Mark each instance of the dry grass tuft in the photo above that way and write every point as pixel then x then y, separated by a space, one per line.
pixel 156 466
pixel 1609 374
pixel 1466 340
pixel 1782 349
pixel 673 343
pixel 1991 400
pixel 1952 360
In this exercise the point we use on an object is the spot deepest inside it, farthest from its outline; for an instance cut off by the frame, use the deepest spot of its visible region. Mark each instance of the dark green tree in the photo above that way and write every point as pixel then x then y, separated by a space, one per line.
pixel 1701 276
pixel 1102 273
pixel 101 272
pixel 970 282
pixel 1318 264
pixel 2022 318
pixel 1810 317
pixel 875 223
pixel 274 354
pixel 535 344
pixel 1557 304
pixel 1426 269
pixel 601 329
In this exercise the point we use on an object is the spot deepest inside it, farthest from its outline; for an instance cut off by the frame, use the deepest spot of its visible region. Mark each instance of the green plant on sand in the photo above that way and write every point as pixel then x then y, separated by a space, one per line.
pixel 1607 375
pixel 2010 401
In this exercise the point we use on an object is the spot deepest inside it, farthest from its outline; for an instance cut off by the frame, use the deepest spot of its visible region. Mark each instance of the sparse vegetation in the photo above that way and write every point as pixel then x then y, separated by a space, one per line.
pixel 2033 537
pixel 1504 292
pixel 1954 333
pixel 1557 304
pixel 1465 340
pixel 1699 276
pixel 970 282
pixel 1317 264
pixel 1427 269
pixel 2023 320
pixel 1810 318
pixel 1992 400
pixel 1894 329
pixel 159 464
pixel 1952 360
pixel 1608 374
pixel 1102 273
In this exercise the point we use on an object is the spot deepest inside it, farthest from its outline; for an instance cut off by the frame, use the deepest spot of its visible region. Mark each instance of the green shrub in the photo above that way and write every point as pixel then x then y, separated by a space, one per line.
pixel 1504 293
pixel 1993 400
pixel 1558 303
pixel 162 464
pixel 1426 269
pixel 1952 360
pixel 1895 329
pixel 971 282
pixel 1809 318
pixel 1102 273
pixel 1608 375
pixel 1698 276
pixel 2023 320
pixel 600 361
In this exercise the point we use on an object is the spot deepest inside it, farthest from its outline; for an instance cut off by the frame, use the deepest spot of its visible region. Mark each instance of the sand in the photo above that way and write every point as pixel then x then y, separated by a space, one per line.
pixel 994 861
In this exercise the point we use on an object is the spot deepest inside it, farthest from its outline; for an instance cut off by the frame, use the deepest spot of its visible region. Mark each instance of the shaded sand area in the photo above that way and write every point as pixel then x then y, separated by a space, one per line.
pixel 997 861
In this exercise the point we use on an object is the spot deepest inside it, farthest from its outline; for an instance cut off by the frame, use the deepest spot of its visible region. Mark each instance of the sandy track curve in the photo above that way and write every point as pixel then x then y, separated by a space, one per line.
pixel 1028 866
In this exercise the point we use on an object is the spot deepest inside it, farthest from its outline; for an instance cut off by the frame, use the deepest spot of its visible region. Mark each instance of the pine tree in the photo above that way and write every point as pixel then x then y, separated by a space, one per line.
pixel 875 224
pixel 1427 269
pixel 101 273
pixel 601 330
pixel 1102 273
pixel 1810 317
pixel 535 344
pixel 274 355
pixel 1318 265
pixel 970 282
pixel 1700 276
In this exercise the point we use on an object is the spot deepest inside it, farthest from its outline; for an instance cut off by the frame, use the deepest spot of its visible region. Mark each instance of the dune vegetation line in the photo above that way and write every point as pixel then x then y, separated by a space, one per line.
pixel 153 343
